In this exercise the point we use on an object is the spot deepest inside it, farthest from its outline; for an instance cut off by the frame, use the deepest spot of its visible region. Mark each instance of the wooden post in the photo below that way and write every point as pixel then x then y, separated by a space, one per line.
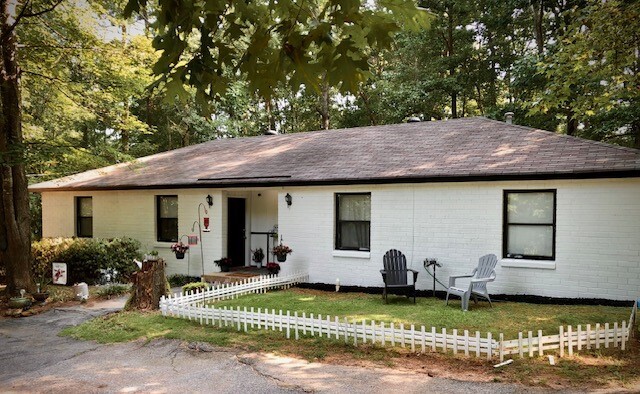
pixel 383 333
pixel 478 344
pixel 402 335
pixel 606 335
pixel 489 345
pixel 561 336
pixel 466 342
pixel 444 340
pixel 588 336
pixel 579 337
pixel 455 341
pixel 501 345
pixel 615 334
pixel 597 335
pixel 540 344
pixel 393 335
pixel 570 340
pixel 520 350
pixel 624 334
pixel 296 324
pixel 413 339
pixel 423 339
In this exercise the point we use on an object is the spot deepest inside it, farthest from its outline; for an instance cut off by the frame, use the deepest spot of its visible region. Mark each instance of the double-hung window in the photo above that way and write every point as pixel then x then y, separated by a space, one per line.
pixel 84 217
pixel 353 221
pixel 529 224
pixel 167 218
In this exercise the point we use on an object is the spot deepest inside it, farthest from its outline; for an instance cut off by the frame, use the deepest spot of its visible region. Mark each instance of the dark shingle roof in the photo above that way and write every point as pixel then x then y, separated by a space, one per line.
pixel 453 150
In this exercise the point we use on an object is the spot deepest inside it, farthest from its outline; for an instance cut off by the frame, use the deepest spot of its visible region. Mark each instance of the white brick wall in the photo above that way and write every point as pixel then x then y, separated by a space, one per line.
pixel 597 243
pixel 598 235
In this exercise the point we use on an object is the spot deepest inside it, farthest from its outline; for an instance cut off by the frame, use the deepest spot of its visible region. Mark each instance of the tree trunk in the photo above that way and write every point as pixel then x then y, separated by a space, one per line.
pixel 15 234
pixel 324 107
pixel 149 284
pixel 452 68
pixel 572 123
pixel 537 9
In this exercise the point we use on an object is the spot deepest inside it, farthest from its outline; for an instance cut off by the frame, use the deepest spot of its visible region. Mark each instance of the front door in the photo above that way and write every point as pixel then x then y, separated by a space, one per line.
pixel 236 232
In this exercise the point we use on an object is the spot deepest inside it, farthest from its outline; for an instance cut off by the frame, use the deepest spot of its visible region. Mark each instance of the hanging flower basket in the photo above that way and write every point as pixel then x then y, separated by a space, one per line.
pixel 179 249
pixel 281 251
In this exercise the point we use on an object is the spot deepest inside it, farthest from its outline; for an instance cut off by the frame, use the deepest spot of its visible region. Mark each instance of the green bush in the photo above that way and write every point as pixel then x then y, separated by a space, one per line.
pixel 85 257
pixel 178 280
pixel 113 290
pixel 195 286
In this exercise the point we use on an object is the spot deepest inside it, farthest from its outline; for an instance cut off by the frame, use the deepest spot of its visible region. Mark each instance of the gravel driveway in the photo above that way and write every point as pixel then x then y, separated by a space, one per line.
pixel 35 359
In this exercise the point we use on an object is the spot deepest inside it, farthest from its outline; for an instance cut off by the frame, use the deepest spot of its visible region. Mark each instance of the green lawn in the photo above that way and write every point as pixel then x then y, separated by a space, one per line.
pixel 505 317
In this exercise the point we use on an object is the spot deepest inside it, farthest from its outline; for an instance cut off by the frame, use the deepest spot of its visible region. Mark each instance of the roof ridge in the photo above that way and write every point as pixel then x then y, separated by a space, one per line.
pixel 566 136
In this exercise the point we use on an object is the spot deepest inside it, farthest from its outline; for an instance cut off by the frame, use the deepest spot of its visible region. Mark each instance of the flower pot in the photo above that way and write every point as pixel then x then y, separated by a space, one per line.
pixel 273 271
pixel 179 255
pixel 40 297
pixel 19 302
pixel 281 257
pixel 259 264
pixel 225 268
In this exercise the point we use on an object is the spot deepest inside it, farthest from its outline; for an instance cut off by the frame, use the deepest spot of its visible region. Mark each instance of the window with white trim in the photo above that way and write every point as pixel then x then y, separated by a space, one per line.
pixel 529 224
pixel 353 221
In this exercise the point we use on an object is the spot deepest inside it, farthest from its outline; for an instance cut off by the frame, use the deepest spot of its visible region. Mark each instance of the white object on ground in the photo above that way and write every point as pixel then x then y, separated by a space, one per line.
pixel 82 291
pixel 552 360
pixel 502 364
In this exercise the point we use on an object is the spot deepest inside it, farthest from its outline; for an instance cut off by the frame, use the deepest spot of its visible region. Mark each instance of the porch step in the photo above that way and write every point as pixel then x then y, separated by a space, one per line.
pixel 230 277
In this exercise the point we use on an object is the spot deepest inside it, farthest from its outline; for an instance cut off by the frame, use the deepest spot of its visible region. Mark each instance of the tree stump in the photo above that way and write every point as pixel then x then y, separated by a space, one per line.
pixel 149 284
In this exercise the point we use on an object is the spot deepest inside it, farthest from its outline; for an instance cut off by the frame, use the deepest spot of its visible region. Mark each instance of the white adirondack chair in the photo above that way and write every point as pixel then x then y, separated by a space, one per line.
pixel 481 275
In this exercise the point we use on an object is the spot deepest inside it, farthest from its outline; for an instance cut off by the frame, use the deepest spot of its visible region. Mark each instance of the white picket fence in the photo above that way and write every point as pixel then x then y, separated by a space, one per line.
pixel 193 306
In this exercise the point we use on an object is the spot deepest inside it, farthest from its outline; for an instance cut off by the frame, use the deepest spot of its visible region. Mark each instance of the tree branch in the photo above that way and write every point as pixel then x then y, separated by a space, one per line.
pixel 42 12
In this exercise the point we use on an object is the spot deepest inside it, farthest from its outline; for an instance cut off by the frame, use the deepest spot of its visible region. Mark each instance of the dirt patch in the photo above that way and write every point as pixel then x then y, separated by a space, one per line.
pixel 616 371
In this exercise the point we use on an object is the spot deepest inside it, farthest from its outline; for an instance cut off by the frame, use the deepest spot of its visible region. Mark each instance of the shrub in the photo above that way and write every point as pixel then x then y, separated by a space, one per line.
pixel 113 290
pixel 195 286
pixel 179 280
pixel 85 257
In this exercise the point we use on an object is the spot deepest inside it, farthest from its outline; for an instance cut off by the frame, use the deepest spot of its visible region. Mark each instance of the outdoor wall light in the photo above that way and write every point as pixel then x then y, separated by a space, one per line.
pixel 288 199
pixel 209 200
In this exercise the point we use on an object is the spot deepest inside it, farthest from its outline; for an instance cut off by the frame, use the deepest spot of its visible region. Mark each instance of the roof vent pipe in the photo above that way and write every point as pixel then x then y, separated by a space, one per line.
pixel 413 119
pixel 508 117
pixel 271 132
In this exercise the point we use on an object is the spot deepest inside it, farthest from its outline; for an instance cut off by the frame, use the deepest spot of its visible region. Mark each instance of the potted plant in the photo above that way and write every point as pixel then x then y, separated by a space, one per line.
pixel 41 293
pixel 281 251
pixel 258 256
pixel 224 264
pixel 273 268
pixel 179 249
pixel 151 256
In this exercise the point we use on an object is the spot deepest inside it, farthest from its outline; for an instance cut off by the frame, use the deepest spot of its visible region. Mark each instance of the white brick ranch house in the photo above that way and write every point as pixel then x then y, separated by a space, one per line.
pixel 561 213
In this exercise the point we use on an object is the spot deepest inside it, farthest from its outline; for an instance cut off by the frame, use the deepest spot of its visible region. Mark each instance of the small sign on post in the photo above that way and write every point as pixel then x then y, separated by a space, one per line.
pixel 59 273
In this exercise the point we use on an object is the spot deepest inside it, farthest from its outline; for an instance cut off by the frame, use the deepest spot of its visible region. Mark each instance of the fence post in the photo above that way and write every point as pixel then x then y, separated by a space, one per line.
pixel 561 335
pixel 597 335
pixel 413 339
pixel 466 342
pixel 335 319
pixel 433 339
pixel 501 344
pixel 606 335
pixel 520 350
pixel 615 334
pixel 588 336
pixel 444 340
pixel 570 340
pixel 478 344
pixel 245 319
pixel 540 344
pixel 624 334
pixel 238 310
pixel 383 333
pixel 295 314
pixel 423 339
pixel 579 337
pixel 364 331
pixel 489 346
pixel 402 341
pixel 455 341
pixel 373 332
pixel 393 335
pixel 288 324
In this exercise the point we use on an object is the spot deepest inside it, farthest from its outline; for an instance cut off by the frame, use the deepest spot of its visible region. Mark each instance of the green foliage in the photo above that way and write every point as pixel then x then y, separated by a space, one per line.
pixel 195 286
pixel 270 43
pixel 86 257
pixel 179 280
pixel 112 290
